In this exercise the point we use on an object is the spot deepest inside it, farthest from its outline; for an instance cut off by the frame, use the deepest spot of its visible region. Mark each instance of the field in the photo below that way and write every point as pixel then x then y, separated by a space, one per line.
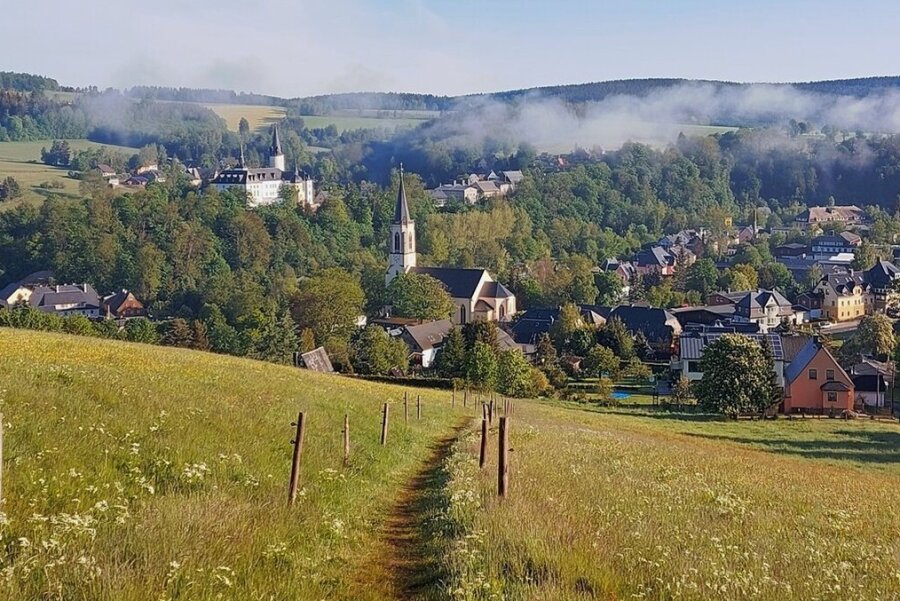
pixel 263 116
pixel 21 160
pixel 258 116
pixel 138 472
pixel 614 505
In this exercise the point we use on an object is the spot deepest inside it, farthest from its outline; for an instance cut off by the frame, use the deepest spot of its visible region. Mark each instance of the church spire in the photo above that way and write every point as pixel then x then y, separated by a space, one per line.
pixel 401 210
pixel 276 141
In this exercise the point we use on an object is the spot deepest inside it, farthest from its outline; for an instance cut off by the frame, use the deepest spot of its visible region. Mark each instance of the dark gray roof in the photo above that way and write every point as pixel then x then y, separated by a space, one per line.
pixel 796 367
pixel 882 274
pixel 693 344
pixel 495 290
pixel 655 323
pixel 80 296
pixel 793 344
pixel 276 141
pixel 655 255
pixel 428 335
pixel 460 283
pixel 401 210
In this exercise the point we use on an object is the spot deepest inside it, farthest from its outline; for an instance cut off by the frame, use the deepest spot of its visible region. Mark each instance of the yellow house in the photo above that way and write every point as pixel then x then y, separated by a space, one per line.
pixel 845 297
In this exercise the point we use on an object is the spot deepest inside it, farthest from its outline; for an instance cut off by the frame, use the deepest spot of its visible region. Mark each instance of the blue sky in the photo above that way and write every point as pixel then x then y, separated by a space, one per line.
pixel 302 47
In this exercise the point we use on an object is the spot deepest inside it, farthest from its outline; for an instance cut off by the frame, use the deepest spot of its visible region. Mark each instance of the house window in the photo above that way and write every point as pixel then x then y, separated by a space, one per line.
pixel 813 374
pixel 829 374
pixel 832 397
pixel 694 366
pixel 462 314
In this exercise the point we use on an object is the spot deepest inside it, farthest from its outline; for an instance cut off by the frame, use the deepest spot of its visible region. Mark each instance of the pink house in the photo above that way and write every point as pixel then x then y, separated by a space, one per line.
pixel 816 383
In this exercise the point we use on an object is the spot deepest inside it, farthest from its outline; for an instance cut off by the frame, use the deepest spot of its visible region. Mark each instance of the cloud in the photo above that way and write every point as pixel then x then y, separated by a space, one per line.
pixel 658 118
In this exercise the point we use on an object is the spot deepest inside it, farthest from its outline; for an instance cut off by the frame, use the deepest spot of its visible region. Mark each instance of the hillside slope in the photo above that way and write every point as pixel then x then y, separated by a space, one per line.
pixel 139 472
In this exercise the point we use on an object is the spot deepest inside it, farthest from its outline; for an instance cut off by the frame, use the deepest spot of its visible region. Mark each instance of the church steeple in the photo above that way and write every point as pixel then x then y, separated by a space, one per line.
pixel 401 209
pixel 402 243
pixel 276 154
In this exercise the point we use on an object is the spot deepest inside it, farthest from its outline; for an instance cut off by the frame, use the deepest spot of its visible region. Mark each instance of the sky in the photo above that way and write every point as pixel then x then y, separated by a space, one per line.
pixel 305 47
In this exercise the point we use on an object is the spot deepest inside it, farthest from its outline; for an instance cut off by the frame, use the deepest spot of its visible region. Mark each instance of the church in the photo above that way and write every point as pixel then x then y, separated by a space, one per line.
pixel 263 186
pixel 475 294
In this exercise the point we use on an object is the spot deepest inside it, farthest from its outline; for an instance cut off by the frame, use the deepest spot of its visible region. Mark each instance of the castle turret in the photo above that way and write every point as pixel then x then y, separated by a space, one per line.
pixel 403 236
pixel 276 155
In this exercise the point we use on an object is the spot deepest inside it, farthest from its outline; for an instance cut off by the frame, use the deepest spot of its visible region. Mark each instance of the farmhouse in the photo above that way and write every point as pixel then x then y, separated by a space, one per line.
pixel 65 300
pixel 122 305
pixel 424 340
pixel 264 185
pixel 826 246
pixel 475 294
pixel 692 345
pixel 655 260
pixel 819 216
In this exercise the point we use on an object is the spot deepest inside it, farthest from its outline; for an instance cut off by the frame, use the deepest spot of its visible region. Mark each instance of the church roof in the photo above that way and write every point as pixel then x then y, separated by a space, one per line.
pixel 276 141
pixel 401 210
pixel 495 290
pixel 460 283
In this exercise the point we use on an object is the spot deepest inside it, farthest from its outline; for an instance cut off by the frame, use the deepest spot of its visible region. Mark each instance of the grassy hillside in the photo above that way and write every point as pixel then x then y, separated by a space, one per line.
pixel 263 116
pixel 613 506
pixel 138 472
pixel 22 160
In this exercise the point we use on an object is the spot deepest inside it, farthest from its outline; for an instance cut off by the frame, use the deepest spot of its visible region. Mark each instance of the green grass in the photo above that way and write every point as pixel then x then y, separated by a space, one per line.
pixel 140 472
pixel 261 117
pixel 22 160
pixel 609 505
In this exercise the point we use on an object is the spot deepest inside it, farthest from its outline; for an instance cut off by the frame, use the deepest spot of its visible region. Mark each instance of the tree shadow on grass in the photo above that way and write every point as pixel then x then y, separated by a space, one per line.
pixel 862 446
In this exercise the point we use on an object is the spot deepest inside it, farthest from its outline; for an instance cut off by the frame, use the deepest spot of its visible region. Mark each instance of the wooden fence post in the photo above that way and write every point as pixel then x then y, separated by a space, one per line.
pixel 482 455
pixel 418 406
pixel 406 407
pixel 484 411
pixel 503 460
pixel 491 412
pixel 453 397
pixel 295 462
pixel 346 439
pixel 384 425
pixel 465 398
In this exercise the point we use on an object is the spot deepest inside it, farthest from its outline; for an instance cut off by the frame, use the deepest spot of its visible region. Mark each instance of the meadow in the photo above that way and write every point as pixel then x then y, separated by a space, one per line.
pixel 261 117
pixel 141 472
pixel 22 160
pixel 646 505
pixel 136 472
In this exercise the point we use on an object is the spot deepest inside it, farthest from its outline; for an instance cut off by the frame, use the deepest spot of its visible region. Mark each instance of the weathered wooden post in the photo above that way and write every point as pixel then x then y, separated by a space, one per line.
pixel 503 459
pixel 453 397
pixel 484 411
pixel 346 439
pixel 406 407
pixel 295 462
pixel 491 412
pixel 465 398
pixel 482 455
pixel 384 425
pixel 418 406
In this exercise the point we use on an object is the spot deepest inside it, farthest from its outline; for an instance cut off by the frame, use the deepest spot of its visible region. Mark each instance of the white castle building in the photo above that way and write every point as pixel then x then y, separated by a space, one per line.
pixel 263 185
pixel 475 294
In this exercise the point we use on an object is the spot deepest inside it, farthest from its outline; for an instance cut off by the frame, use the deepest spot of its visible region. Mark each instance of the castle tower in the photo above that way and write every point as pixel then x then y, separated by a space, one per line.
pixel 276 155
pixel 403 237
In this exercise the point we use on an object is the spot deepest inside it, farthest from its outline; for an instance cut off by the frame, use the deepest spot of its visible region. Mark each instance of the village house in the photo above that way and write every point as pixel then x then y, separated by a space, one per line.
pixel 476 187
pixel 816 383
pixel 425 340
pixel 535 322
pixel 264 185
pixel 871 381
pixel 842 297
pixel 65 300
pixel 831 245
pixel 766 308
pixel 655 261
pixel 791 250
pixel 692 344
pixel 882 278
pixel 659 326
pixel 815 217
pixel 122 305
pixel 474 293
